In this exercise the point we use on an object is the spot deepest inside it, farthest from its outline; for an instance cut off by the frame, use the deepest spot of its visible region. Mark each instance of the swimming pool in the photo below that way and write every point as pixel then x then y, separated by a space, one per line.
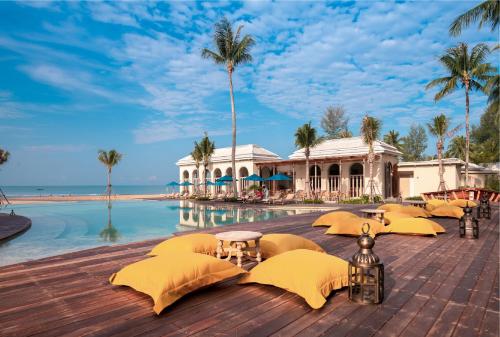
pixel 64 227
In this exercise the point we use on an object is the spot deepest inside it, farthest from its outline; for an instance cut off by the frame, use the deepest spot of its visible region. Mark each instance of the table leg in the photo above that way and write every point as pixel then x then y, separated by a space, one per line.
pixel 239 253
pixel 257 250
pixel 230 251
pixel 219 248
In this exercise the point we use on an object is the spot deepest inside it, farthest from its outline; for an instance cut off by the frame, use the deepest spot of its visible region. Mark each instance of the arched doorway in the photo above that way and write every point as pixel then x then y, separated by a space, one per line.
pixel 315 178
pixel 217 175
pixel 356 180
pixel 195 180
pixel 185 177
pixel 243 182
pixel 334 178
pixel 388 190
pixel 265 172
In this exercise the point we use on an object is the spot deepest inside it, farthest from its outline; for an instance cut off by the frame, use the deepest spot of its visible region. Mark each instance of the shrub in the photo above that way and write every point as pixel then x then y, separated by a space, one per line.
pixel 202 198
pixel 313 201
pixel 417 198
pixel 231 199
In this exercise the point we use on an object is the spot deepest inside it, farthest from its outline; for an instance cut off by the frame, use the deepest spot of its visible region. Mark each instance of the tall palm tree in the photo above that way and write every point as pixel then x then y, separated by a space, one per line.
pixel 109 159
pixel 231 51
pixel 392 138
pixel 468 71
pixel 370 132
pixel 4 156
pixel 440 129
pixel 487 12
pixel 206 148
pixel 197 156
pixel 306 137
pixel 456 148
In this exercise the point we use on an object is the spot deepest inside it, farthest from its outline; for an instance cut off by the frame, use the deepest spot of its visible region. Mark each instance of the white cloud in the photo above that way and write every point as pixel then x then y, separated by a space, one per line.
pixel 55 148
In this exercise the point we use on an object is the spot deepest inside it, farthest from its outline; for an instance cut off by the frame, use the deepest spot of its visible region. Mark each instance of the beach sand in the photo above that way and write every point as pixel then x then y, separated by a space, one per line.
pixel 59 198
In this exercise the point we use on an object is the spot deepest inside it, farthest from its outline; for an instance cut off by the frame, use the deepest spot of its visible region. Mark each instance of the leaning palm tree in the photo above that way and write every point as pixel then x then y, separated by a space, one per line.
pixel 487 12
pixel 306 137
pixel 392 138
pixel 207 149
pixel 4 156
pixel 370 132
pixel 109 159
pixel 440 129
pixel 456 148
pixel 197 156
pixel 231 51
pixel 465 70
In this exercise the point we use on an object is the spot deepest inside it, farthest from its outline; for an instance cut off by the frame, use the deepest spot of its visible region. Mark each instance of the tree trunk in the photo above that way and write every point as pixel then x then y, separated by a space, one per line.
pixel 467 134
pixel 109 185
pixel 307 188
pixel 233 123
pixel 442 185
pixel 370 168
pixel 205 178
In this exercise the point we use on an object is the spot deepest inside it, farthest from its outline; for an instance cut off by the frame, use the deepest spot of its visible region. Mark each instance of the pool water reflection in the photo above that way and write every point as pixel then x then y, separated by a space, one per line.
pixel 70 226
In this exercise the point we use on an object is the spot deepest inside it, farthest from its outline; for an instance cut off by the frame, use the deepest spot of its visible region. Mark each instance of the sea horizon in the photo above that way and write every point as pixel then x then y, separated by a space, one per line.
pixel 48 190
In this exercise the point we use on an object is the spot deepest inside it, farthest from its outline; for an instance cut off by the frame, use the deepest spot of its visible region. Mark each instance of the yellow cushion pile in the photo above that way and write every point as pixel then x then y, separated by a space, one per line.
pixel 190 243
pixel 415 226
pixel 432 204
pixel 166 278
pixel 414 212
pixel 333 217
pixel 448 211
pixel 311 275
pixel 353 226
pixel 391 207
pixel 462 203
pixel 274 244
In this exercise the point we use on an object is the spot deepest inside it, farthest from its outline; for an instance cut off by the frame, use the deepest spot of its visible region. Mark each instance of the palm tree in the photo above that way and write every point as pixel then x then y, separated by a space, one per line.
pixel 4 156
pixel 109 159
pixel 487 12
pixel 466 70
pixel 306 137
pixel 494 91
pixel 231 51
pixel 392 138
pixel 440 129
pixel 370 132
pixel 197 156
pixel 456 148
pixel 206 148
pixel 345 133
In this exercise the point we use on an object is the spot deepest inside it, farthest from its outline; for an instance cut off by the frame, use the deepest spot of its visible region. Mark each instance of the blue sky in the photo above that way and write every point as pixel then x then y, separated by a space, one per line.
pixel 77 77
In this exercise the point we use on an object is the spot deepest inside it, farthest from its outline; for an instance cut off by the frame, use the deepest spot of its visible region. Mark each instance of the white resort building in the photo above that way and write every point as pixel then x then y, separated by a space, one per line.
pixel 336 166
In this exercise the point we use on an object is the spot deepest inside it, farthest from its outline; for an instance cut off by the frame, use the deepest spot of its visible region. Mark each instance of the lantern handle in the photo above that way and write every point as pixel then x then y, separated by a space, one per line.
pixel 363 228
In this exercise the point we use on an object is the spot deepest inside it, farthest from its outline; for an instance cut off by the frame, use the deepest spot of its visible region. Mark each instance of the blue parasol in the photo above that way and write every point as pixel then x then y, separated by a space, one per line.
pixel 225 178
pixel 279 177
pixel 185 183
pixel 253 177
pixel 172 184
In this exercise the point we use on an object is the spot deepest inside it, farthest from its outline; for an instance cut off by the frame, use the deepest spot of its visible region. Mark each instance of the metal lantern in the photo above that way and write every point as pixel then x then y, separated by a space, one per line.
pixel 366 272
pixel 468 225
pixel 484 209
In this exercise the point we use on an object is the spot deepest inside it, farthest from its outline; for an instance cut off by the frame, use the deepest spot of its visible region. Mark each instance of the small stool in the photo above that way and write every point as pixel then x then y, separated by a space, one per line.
pixel 377 214
pixel 239 244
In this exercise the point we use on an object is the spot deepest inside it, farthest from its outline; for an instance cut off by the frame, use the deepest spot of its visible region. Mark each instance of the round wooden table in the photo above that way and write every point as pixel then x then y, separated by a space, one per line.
pixel 377 214
pixel 239 244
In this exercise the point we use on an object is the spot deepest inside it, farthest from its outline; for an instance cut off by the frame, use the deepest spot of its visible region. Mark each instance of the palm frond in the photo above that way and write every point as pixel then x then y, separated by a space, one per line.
pixel 485 12
pixel 208 54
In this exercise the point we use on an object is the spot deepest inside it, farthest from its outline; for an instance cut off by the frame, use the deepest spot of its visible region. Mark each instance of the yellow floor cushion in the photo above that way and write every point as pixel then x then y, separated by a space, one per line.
pixel 309 274
pixel 434 203
pixel 415 211
pixel 448 211
pixel 274 244
pixel 190 243
pixel 332 217
pixel 391 216
pixel 353 226
pixel 168 277
pixel 462 203
pixel 415 226
pixel 390 207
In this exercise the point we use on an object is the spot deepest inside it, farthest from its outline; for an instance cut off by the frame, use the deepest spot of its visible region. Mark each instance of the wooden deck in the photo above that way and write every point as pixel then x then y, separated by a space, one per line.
pixel 444 286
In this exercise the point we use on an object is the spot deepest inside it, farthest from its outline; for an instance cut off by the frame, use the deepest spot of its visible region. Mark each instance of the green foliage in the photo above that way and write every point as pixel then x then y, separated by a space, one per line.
pixel 306 137
pixel 492 182
pixel 201 198
pixel 493 88
pixel 365 199
pixel 487 12
pixel 207 149
pixel 485 138
pixel 109 158
pixel 456 148
pixel 392 138
pixel 4 156
pixel 313 201
pixel 231 199
pixel 334 122
pixel 414 144
pixel 370 129
pixel 197 154
pixel 253 187
pixel 415 198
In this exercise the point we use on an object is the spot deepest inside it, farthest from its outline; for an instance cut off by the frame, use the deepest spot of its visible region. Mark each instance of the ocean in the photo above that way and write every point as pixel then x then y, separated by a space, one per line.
pixel 17 191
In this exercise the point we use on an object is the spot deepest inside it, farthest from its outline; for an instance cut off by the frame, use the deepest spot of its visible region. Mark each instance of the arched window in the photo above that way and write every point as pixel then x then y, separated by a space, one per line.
pixel 356 180
pixel 217 175
pixel 243 174
pixel 334 178
pixel 195 180
pixel 185 176
pixel 315 178
pixel 229 171
pixel 265 172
